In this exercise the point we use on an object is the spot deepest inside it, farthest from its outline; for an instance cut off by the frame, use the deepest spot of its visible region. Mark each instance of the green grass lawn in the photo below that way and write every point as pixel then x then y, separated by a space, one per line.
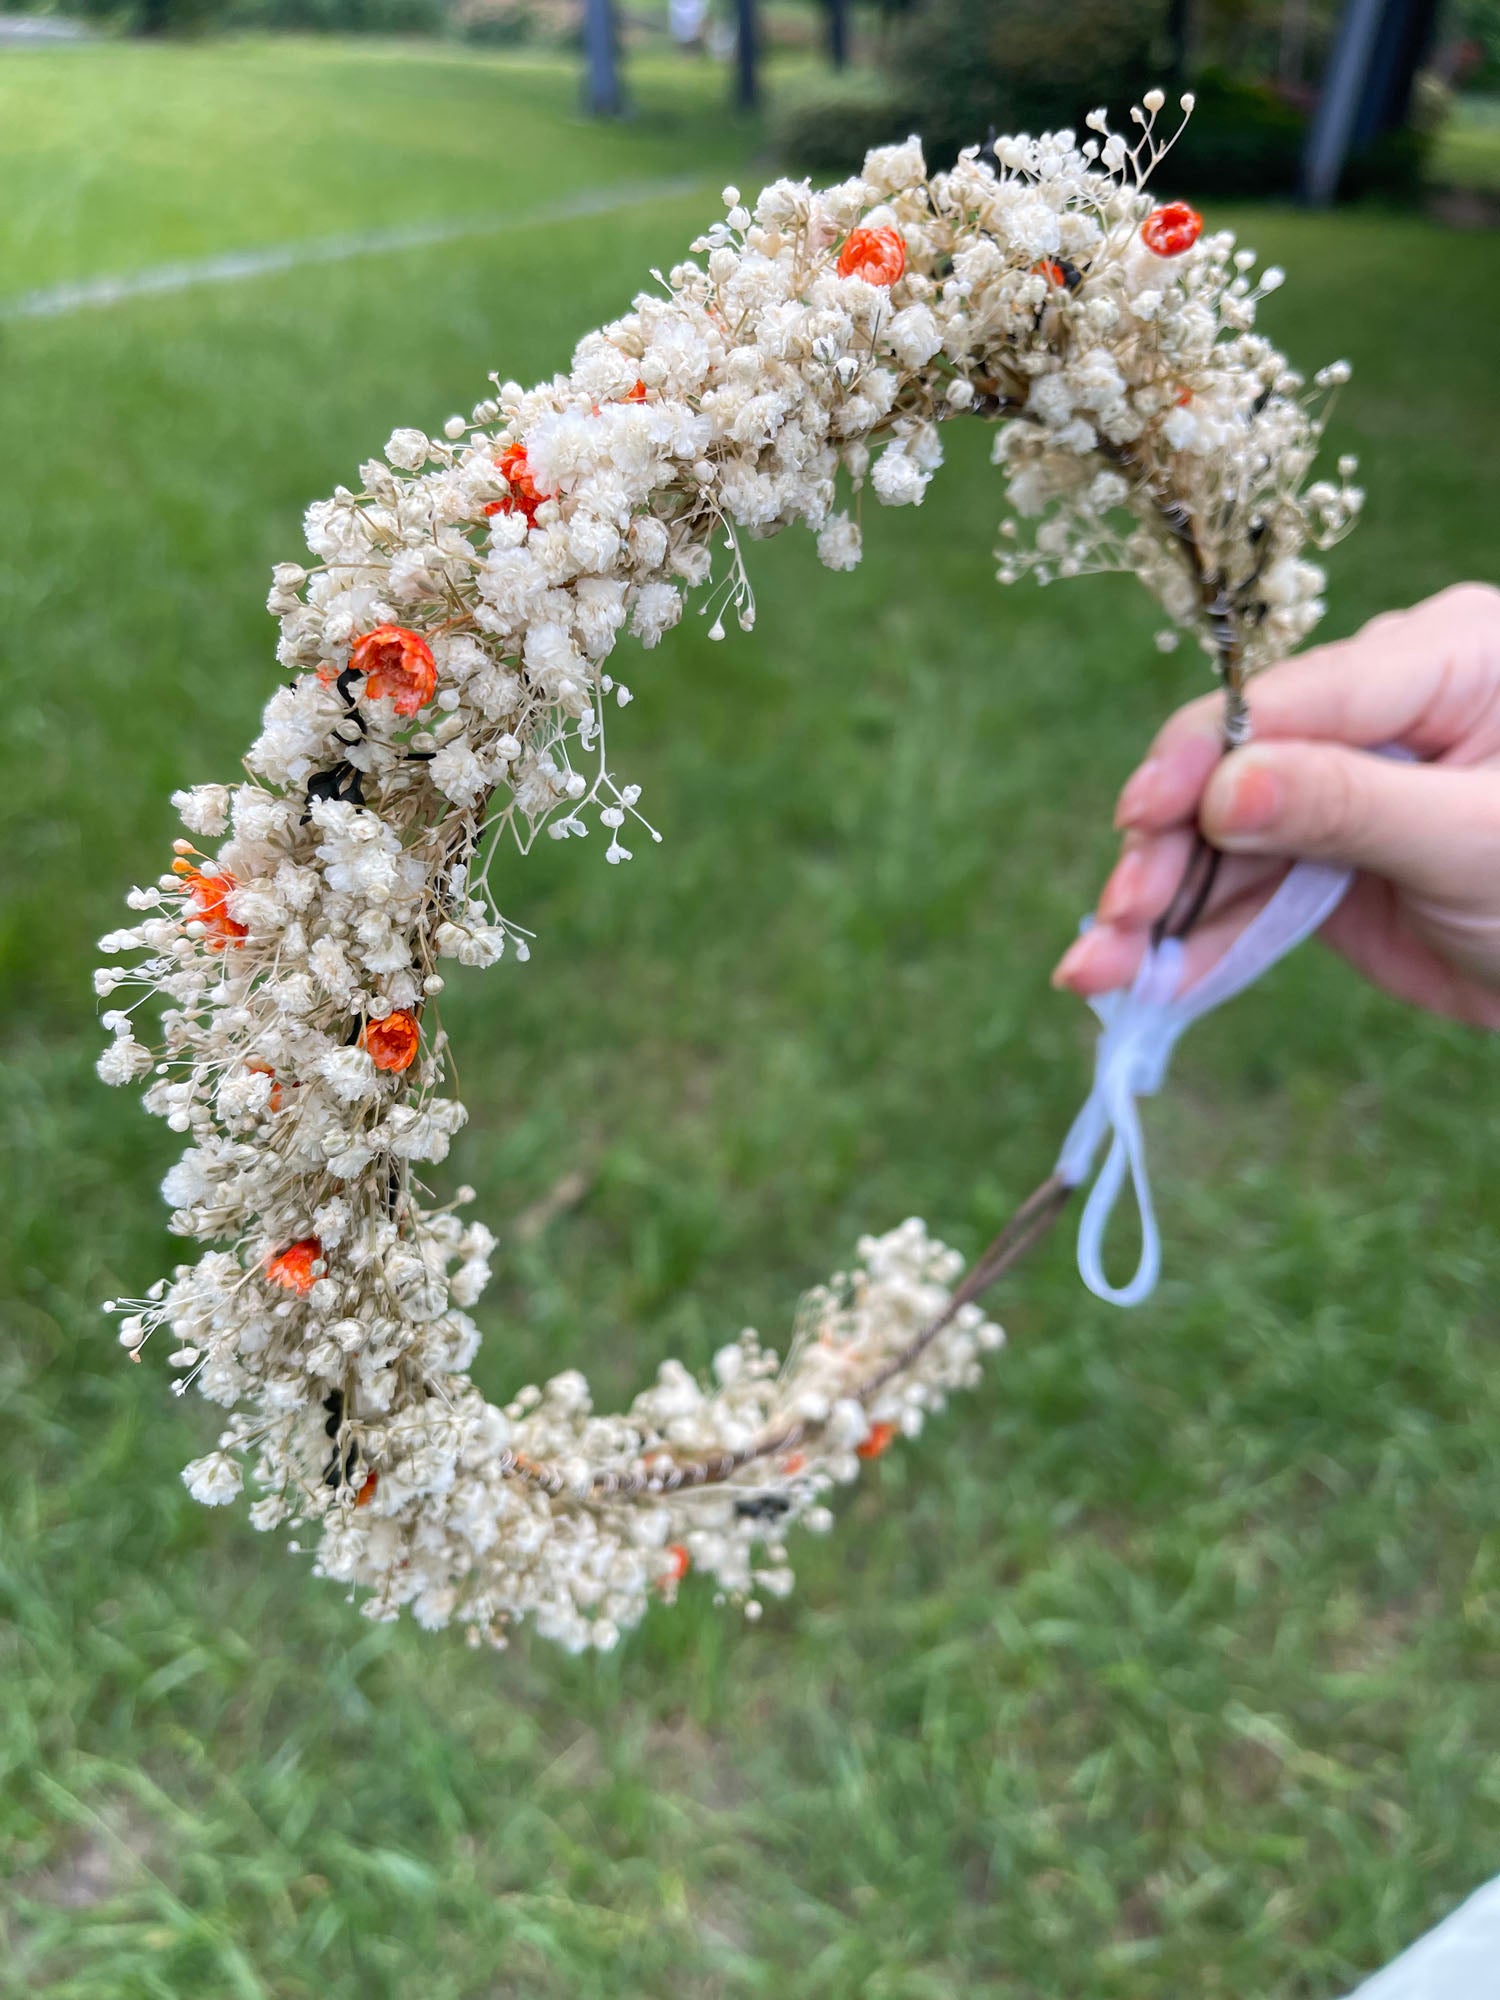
pixel 125 155
pixel 1163 1665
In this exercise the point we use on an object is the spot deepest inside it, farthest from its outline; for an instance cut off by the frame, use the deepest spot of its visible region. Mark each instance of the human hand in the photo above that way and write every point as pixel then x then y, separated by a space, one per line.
pixel 1422 919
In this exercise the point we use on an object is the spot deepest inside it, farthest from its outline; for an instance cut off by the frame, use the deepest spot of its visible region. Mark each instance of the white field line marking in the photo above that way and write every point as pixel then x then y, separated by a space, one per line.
pixel 237 265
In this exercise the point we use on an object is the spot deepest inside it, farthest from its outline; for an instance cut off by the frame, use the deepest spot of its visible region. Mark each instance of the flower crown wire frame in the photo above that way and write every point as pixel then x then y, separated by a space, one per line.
pixel 448 656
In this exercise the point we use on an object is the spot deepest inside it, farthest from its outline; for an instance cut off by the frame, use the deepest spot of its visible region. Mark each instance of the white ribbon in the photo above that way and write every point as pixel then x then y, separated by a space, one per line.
pixel 1141 1028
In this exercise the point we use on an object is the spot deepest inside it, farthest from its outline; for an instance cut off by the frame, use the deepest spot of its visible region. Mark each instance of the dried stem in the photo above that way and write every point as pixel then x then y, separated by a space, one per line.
pixel 1025 1229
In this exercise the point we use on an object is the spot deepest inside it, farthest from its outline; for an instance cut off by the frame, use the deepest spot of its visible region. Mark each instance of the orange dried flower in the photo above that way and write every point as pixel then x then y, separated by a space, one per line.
pixel 397 663
pixel 276 1099
pixel 879 1437
pixel 292 1268
pixel 876 255
pixel 392 1043
pixel 637 394
pixel 1171 229
pixel 523 497
pixel 366 1492
pixel 679 1562
pixel 207 900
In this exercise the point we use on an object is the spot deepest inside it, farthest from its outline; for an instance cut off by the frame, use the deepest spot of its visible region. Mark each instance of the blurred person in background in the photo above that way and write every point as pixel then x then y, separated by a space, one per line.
pixel 685 18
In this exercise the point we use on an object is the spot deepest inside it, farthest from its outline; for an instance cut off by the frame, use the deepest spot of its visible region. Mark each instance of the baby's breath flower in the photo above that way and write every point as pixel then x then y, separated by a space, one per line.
pixel 214 1480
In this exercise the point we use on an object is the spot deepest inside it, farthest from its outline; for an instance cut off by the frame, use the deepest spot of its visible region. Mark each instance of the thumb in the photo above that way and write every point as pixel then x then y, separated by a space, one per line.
pixel 1431 829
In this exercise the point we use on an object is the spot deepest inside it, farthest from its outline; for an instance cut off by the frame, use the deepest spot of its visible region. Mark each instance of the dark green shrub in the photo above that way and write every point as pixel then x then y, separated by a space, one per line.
pixel 1242 140
pixel 954 68
pixel 336 17
pixel 498 28
pixel 1020 65
pixel 829 129
pixel 515 24
pixel 1395 168
pixel 961 66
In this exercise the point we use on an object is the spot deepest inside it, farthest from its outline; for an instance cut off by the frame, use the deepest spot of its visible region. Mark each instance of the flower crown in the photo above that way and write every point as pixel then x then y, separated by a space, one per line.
pixel 449 652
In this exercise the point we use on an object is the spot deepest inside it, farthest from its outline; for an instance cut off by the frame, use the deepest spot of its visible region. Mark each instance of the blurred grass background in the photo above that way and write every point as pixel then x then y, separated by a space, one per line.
pixel 1468 145
pixel 1164 1663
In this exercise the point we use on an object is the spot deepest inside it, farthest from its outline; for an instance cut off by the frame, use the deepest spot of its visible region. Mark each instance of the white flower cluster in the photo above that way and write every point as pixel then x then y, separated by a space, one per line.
pixel 448 649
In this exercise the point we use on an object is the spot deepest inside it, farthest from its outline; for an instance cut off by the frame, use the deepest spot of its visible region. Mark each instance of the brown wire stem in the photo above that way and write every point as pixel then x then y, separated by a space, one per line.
pixel 1024 1230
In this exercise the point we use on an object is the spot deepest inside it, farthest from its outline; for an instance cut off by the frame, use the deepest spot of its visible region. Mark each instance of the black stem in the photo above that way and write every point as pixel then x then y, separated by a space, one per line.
pixel 1190 897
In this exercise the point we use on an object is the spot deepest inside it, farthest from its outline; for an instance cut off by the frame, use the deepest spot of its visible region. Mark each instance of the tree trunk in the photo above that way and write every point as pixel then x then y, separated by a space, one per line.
pixel 1293 44
pixel 746 56
pixel 838 33
pixel 1367 87
pixel 1180 41
pixel 602 95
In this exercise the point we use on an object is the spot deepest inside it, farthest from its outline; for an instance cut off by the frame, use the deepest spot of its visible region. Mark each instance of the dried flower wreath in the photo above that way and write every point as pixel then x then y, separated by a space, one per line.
pixel 448 655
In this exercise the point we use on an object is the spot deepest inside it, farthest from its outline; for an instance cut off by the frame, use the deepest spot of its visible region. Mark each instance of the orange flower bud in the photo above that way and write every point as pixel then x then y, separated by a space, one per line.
pixel 1170 230
pixel 207 896
pixel 275 1100
pixel 523 497
pixel 397 663
pixel 392 1043
pixel 879 1437
pixel 876 255
pixel 366 1492
pixel 292 1268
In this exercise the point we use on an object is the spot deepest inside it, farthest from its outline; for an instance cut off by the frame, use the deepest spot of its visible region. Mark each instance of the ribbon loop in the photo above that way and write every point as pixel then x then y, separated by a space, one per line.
pixel 1140 1027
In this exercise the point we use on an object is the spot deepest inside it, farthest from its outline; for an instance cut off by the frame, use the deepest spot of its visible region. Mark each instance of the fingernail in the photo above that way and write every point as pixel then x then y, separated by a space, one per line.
pixel 1252 795
pixel 1072 962
pixel 1136 796
pixel 1120 891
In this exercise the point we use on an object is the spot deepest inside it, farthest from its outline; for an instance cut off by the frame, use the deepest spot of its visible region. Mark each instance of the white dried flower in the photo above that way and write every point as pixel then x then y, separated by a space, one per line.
pixel 839 543
pixel 214 1480
pixel 408 450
